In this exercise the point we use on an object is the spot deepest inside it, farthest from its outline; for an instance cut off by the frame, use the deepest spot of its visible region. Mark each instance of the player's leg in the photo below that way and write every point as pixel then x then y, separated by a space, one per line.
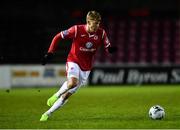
pixel 63 99
pixel 83 75
pixel 70 86
pixel 73 79
pixel 59 103
pixel 71 83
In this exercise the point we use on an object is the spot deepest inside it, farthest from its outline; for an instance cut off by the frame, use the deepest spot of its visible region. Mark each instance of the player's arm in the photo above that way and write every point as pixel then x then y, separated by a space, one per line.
pixel 66 34
pixel 49 55
pixel 107 45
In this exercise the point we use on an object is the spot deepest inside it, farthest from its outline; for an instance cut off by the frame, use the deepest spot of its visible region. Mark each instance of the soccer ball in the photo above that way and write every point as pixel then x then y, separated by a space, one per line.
pixel 156 112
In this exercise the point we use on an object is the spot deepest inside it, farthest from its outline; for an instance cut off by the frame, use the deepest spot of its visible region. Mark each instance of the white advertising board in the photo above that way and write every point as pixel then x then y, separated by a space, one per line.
pixel 5 77
pixel 37 75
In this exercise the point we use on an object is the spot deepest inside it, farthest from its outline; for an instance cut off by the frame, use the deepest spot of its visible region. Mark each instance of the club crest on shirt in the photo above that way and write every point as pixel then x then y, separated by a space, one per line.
pixel 89 45
pixel 95 37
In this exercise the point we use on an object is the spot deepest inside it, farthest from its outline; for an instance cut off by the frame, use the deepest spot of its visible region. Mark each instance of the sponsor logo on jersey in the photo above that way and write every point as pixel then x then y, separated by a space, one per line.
pixel 89 45
pixel 83 35
pixel 87 50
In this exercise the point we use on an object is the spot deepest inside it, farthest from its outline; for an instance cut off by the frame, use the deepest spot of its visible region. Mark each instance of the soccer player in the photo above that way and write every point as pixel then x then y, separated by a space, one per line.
pixel 86 39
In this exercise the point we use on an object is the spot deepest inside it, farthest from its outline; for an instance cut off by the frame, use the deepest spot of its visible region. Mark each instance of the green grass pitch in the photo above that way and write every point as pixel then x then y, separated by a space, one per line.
pixel 122 107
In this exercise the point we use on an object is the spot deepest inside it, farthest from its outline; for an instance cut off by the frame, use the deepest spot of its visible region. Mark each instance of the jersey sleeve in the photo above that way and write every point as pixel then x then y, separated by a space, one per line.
pixel 69 33
pixel 66 34
pixel 105 41
pixel 54 43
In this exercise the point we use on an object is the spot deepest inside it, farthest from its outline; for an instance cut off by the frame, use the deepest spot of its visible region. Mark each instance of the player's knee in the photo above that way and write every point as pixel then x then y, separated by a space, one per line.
pixel 66 95
pixel 72 82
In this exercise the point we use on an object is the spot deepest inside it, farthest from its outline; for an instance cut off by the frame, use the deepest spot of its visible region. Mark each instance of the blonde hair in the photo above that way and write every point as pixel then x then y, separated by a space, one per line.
pixel 93 15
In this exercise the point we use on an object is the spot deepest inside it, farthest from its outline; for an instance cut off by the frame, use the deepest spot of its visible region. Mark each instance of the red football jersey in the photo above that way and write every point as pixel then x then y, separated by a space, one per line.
pixel 84 44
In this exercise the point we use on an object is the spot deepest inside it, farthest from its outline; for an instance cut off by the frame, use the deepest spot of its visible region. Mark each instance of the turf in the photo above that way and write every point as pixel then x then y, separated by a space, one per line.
pixel 92 108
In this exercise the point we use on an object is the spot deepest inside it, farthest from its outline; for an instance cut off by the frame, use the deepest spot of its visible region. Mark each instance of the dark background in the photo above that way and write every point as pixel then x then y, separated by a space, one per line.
pixel 27 27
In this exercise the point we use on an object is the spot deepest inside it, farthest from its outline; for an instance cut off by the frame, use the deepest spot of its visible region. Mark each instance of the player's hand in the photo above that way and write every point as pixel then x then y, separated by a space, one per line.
pixel 112 49
pixel 47 57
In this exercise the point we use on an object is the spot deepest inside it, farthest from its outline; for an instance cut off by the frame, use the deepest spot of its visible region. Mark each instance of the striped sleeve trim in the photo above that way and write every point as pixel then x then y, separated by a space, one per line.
pixel 62 35
pixel 107 45
pixel 103 34
pixel 75 31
